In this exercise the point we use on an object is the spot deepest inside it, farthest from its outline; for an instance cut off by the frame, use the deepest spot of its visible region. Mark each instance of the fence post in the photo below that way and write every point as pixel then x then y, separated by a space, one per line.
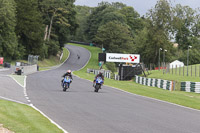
pixel 195 71
pixel 179 70
pixel 172 69
pixel 191 70
pixel 183 70
pixel 176 70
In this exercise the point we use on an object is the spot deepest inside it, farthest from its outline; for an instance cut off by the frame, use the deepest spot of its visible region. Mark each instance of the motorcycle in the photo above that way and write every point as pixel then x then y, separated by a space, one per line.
pixel 98 84
pixel 66 82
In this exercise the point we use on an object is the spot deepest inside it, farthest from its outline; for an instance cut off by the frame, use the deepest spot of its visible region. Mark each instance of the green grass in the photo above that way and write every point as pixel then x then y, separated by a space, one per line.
pixel 46 64
pixel 19 79
pixel 178 97
pixel 24 119
pixel 175 75
pixel 93 63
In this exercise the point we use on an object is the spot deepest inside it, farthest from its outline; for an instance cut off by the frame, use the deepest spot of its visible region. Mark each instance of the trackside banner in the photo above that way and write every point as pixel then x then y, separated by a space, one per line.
pixel 130 58
pixel 1 60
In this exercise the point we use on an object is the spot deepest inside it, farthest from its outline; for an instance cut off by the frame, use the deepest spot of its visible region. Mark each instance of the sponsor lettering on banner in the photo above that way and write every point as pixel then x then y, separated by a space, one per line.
pixel 1 60
pixel 130 58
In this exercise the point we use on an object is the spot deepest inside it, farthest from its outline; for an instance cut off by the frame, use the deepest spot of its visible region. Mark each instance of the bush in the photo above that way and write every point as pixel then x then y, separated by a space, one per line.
pixel 111 66
pixel 53 47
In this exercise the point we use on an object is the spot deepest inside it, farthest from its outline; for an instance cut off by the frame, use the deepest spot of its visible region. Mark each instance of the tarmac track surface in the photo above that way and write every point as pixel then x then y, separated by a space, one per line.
pixel 81 110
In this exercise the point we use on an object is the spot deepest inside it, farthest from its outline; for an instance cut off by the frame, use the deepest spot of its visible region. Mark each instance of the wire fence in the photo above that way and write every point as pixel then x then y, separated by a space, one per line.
pixel 33 59
pixel 192 70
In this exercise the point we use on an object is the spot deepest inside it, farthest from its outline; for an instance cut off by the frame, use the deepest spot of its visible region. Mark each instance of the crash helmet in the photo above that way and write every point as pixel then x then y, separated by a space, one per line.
pixel 68 71
pixel 100 73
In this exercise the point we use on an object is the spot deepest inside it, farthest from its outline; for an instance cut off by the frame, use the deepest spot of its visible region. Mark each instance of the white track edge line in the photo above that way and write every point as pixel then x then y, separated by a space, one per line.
pixel 12 100
pixel 31 105
pixel 16 81
pixel 148 97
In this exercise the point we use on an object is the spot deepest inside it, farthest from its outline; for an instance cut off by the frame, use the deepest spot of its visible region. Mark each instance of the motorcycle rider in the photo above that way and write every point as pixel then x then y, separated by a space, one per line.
pixel 68 73
pixel 98 75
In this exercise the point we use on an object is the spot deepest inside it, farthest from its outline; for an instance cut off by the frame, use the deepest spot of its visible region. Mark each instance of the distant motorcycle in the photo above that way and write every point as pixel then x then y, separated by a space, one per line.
pixel 66 82
pixel 98 84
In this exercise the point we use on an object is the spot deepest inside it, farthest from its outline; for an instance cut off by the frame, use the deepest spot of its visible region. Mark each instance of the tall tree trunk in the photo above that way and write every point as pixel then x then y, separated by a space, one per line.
pixel 46 32
pixel 51 22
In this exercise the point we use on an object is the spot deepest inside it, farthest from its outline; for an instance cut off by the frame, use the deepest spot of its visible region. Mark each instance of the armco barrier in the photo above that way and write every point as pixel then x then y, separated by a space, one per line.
pixel 160 83
pixel 190 86
pixel 106 73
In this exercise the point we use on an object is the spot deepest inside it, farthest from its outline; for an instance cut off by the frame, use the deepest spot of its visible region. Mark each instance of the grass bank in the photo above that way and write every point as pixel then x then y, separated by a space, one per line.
pixel 53 61
pixel 182 98
pixel 24 119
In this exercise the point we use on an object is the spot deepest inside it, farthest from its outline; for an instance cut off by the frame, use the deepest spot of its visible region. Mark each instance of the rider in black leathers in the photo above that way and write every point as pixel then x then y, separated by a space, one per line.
pixel 98 75
pixel 68 73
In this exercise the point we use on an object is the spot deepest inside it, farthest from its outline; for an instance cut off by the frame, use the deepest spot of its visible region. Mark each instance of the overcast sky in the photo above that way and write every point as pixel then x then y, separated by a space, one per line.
pixel 141 6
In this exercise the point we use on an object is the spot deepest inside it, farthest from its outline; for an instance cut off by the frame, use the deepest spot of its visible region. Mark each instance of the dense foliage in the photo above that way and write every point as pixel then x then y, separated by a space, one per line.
pixel 37 27
pixel 42 27
pixel 119 28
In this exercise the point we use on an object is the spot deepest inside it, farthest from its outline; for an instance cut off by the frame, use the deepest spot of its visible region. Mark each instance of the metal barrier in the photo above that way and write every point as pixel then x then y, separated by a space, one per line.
pixel 106 73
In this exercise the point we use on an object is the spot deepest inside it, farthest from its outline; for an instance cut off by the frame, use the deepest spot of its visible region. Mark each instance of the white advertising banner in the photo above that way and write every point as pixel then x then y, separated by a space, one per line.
pixel 130 58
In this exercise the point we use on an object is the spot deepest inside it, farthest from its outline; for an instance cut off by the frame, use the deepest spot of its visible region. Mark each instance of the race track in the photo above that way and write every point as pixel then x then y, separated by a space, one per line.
pixel 81 110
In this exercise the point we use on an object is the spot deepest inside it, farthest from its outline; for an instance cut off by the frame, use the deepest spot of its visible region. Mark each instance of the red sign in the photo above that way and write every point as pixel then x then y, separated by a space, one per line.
pixel 160 68
pixel 1 60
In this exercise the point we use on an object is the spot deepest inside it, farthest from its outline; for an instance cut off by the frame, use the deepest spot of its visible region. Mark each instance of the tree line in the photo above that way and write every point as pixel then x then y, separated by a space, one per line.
pixel 42 27
pixel 120 29
pixel 38 27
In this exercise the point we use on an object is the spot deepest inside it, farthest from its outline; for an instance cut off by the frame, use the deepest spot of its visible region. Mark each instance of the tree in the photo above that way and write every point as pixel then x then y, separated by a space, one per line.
pixel 94 21
pixel 83 13
pixel 8 40
pixel 115 37
pixel 59 18
pixel 156 33
pixel 30 28
pixel 132 18
pixel 183 24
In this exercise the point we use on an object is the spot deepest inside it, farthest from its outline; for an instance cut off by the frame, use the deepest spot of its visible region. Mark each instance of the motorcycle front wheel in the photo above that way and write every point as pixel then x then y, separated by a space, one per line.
pixel 65 87
pixel 97 86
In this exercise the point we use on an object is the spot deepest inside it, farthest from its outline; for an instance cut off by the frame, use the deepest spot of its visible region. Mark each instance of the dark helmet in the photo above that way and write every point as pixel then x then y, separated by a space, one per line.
pixel 100 73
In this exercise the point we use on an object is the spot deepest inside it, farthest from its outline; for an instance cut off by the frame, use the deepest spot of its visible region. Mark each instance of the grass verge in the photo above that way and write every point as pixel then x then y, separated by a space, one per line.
pixel 19 79
pixel 24 119
pixel 182 98
pixel 46 64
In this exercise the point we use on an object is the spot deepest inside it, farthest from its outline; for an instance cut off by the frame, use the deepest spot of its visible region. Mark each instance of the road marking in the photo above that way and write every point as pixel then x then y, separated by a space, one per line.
pixel 29 102
pixel 31 105
pixel 48 118
pixel 16 81
pixel 147 97
pixel 12 100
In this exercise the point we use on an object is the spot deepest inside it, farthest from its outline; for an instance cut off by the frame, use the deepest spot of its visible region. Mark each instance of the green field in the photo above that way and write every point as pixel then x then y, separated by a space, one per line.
pixel 177 74
pixel 24 119
pixel 178 97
